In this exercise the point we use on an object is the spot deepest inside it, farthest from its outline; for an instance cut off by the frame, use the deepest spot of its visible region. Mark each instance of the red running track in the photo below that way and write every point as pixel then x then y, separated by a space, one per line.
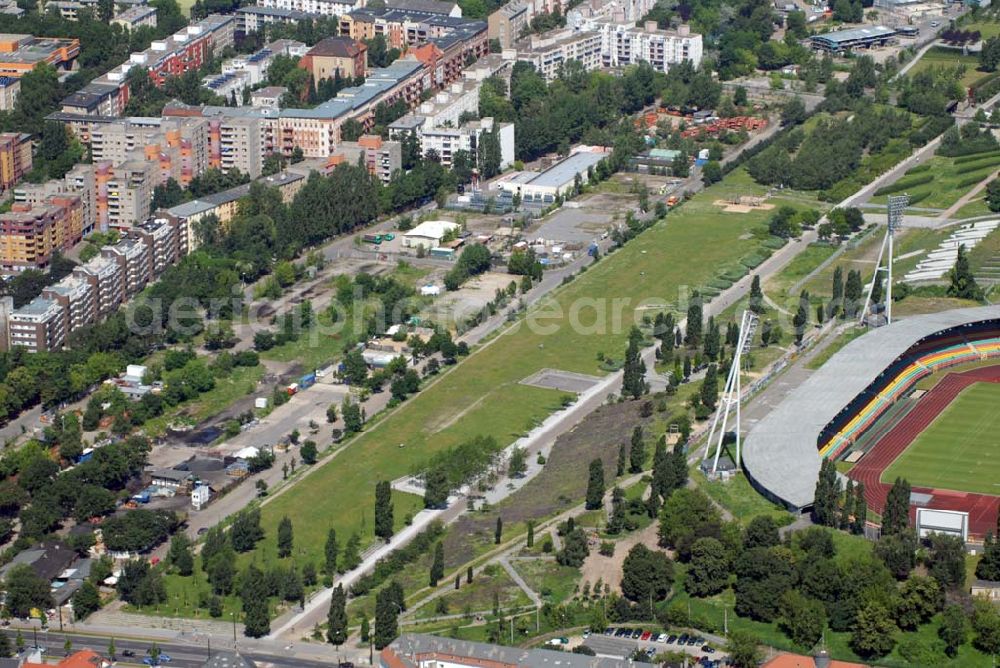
pixel 982 508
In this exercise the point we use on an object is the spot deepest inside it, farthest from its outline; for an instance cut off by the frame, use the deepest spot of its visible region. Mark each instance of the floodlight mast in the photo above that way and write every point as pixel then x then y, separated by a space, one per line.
pixel 897 204
pixel 732 394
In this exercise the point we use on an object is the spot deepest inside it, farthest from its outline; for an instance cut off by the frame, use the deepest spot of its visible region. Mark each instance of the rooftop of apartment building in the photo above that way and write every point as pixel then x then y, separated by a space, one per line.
pixel 269 92
pixel 288 14
pixel 412 650
pixel 338 47
pixel 210 202
pixel 38 308
pixel 28 49
pixel 429 6
pixel 136 13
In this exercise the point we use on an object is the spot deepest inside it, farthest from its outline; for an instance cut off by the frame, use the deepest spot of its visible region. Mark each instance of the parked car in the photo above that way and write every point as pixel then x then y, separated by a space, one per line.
pixel 610 631
pixel 708 649
pixel 671 639
pixel 646 635
pixel 683 639
pixel 661 638
pixel 692 641
pixel 623 633
pixel 127 652
pixel 636 634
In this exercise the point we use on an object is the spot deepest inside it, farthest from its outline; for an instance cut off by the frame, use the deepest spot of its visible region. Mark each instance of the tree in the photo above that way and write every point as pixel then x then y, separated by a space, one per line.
pixel 386 614
pixel 436 488
pixel 762 577
pixel 634 372
pixel 874 632
pixel 962 282
pixel 179 555
pixel 920 598
pixel 860 510
pixel 498 533
pixel 954 629
pixel 711 172
pixel 437 566
pixel 256 620
pixel 709 393
pixel 622 460
pixel 947 560
pixel 308 452
pixel 86 600
pixel 383 510
pixel 898 553
pixel 687 515
pixel 756 296
pixel 336 618
pixel 802 619
pixel 285 538
pixel 708 570
pixel 993 193
pixel 246 530
pixel 761 532
pixel 801 318
pixel 744 649
pixel 595 485
pixel 575 549
pixel 647 575
pixel 793 112
pixel 988 567
pixel 896 516
pixel 989 56
pixel 518 464
pixel 986 626
pixel 330 553
pixel 637 451
pixel 827 493
pixel 351 413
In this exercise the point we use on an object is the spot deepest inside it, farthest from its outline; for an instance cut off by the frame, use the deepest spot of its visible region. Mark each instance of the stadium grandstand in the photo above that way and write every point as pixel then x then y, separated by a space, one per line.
pixel 829 412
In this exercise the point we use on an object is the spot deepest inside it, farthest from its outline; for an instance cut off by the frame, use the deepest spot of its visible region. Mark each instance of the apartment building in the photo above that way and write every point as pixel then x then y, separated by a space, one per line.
pixel 445 142
pixel 253 19
pixel 256 64
pixel 268 97
pixel 107 280
pixel 335 55
pixel 406 28
pixel 10 88
pixel 15 158
pixel 76 297
pixel 507 23
pixel 38 326
pixel 70 9
pixel 135 18
pixel 20 53
pixel 382 157
pixel 95 289
pixel 30 234
pixel 446 108
pixel 122 193
pixel 625 44
pixel 243 144
pixel 547 53
pixel 319 7
pixel 620 11
pixel 185 50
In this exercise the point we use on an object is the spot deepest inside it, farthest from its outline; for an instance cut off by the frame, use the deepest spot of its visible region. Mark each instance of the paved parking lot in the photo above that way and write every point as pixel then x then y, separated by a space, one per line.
pixel 616 647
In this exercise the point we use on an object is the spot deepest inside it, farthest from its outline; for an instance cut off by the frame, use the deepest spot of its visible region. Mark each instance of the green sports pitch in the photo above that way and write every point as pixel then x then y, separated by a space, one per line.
pixel 960 450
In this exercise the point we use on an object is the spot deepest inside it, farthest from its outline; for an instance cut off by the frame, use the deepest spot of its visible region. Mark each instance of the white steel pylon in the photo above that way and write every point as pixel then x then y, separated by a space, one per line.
pixel 897 204
pixel 732 394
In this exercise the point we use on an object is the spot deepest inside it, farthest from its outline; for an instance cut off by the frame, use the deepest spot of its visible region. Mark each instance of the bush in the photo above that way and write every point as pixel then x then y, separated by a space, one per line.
pixel 774 243
pixel 904 184
pixel 720 283
pixel 976 165
pixel 919 196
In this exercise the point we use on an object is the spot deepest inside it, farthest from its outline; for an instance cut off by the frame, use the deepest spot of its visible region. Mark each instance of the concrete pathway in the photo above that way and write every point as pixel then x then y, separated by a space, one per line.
pixel 519 581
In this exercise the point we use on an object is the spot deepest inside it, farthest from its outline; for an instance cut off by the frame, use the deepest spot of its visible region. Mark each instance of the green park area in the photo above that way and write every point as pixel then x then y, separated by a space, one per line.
pixel 959 450
pixel 482 395
pixel 940 56
pixel 942 181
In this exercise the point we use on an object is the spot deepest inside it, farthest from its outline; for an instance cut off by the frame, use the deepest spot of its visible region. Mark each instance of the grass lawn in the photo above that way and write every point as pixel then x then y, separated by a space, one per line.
pixel 491 586
pixel 950 180
pixel 240 382
pixel 985 26
pixel 976 207
pixel 944 57
pixel 842 340
pixel 186 595
pixel 554 583
pixel 740 499
pixel 959 450
pixel 482 395
pixel 803 264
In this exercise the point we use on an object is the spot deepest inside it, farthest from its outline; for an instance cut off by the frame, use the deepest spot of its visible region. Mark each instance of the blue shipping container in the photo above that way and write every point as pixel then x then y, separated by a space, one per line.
pixel 307 381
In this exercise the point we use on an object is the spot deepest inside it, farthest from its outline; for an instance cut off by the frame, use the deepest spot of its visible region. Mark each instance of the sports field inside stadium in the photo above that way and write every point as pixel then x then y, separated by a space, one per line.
pixel 960 449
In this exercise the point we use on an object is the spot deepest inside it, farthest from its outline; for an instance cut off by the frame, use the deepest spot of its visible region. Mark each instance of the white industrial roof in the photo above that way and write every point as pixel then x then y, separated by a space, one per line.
pixel 432 229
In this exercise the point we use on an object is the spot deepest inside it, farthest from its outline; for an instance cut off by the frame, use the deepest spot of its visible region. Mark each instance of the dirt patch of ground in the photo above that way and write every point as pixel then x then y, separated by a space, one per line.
pixel 562 484
pixel 742 206
pixel 609 569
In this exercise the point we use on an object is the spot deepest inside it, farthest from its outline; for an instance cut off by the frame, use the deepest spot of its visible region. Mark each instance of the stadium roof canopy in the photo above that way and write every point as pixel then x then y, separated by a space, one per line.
pixel 780 453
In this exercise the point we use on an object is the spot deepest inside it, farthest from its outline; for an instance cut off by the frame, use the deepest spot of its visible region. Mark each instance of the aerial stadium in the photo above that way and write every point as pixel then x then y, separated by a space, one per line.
pixel 864 408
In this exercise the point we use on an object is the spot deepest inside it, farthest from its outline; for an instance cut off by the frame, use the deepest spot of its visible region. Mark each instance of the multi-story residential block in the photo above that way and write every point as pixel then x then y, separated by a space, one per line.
pixel 135 259
pixel 341 56
pixel 319 7
pixel 382 158
pixel 123 193
pixel 15 158
pixel 549 52
pixel 268 97
pixel 136 17
pixel 620 11
pixel 438 7
pixel 10 88
pixel 623 45
pixel 406 28
pixel 253 18
pixel 20 53
pixel 167 239
pixel 107 279
pixel 445 142
pixel 257 64
pixel 446 108
pixel 508 23
pixel 243 145
pixel 38 326
pixel 188 49
pixel 76 296
pixel 70 9
pixel 30 234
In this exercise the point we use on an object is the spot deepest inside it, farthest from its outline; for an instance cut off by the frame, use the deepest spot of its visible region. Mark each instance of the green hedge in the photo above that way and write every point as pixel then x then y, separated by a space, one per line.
pixel 774 243
pixel 709 291
pixel 919 196
pixel 753 261
pixel 918 169
pixel 733 274
pixel 974 179
pixel 720 283
pixel 904 183
pixel 972 157
pixel 985 163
